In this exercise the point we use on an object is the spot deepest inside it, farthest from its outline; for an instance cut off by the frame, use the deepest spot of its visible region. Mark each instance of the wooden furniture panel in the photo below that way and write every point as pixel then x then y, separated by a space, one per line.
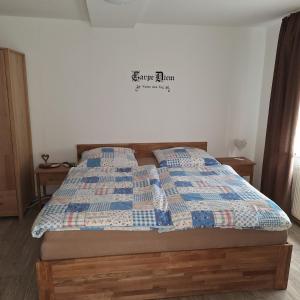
pixel 52 178
pixel 46 177
pixel 165 274
pixel 242 165
pixel 16 168
pixel 8 202
pixel 21 131
pixel 142 150
pixel 7 176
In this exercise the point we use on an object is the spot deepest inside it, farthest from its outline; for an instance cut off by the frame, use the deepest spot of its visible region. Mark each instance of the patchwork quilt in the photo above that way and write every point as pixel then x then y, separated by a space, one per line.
pixel 216 196
pixel 164 199
pixel 106 198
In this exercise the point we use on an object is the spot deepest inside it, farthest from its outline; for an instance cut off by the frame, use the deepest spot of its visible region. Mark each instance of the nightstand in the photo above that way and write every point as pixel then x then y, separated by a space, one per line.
pixel 44 177
pixel 242 165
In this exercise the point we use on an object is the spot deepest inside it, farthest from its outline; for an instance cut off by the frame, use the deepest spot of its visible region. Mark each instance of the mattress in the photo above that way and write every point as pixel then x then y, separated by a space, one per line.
pixel 82 244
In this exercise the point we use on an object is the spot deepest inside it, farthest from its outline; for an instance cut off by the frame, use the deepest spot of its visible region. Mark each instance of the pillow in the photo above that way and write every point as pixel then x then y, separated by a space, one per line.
pixel 108 157
pixel 106 152
pixel 184 157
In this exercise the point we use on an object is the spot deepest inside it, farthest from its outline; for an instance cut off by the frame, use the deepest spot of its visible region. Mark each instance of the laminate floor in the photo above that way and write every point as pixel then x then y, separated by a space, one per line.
pixel 19 252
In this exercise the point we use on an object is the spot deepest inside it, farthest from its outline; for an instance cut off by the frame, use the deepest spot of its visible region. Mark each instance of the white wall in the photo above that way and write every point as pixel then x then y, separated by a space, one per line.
pixel 80 88
pixel 245 98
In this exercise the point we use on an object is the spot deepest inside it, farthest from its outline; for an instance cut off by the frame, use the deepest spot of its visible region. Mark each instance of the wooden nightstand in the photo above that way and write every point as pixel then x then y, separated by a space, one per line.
pixel 44 177
pixel 242 165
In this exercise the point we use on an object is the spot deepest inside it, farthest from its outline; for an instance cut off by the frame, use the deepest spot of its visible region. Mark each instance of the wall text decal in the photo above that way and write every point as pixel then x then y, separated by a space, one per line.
pixel 159 80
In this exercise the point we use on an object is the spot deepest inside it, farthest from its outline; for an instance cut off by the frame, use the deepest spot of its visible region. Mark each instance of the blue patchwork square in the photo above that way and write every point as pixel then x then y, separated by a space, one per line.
pixel 123 191
pixel 191 197
pixel 144 218
pixel 123 178
pixel 203 219
pixel 177 173
pixel 147 196
pixel 207 173
pixel 183 184
pixel 268 219
pixel 272 204
pixel 61 192
pixel 93 228
pixel 106 178
pixel 93 162
pixel 72 180
pixel 155 182
pixel 179 153
pixel 77 207
pixel 140 184
pixel 163 163
pixel 163 218
pixel 170 191
pixel 173 163
pixel 124 170
pixel 230 196
pixel 107 150
pixel 250 195
pixel 178 207
pixel 90 179
pixel 141 173
pixel 100 206
pixel 55 209
pixel 211 196
pixel 210 162
pixel 235 180
pixel 121 205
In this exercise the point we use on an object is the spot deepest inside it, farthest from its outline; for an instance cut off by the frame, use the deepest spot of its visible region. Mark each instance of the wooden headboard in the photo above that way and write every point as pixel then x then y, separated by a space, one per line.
pixel 143 151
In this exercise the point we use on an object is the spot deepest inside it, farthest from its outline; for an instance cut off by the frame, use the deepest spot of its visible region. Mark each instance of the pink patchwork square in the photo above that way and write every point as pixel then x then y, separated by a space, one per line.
pixel 223 218
pixel 104 191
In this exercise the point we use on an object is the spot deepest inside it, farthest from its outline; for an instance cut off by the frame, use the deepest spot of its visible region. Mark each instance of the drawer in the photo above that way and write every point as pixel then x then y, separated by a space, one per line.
pixel 243 170
pixel 52 178
pixel 8 203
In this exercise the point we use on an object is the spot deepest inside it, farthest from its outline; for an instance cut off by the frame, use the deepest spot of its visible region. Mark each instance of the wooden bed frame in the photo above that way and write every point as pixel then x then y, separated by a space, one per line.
pixel 164 274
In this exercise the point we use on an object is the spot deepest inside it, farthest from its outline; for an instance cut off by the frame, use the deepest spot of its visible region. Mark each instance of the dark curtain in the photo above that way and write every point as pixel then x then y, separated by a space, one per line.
pixel 283 115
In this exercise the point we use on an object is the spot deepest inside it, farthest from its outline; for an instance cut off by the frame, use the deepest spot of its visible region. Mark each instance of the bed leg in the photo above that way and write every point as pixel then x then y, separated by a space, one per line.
pixel 283 267
pixel 44 281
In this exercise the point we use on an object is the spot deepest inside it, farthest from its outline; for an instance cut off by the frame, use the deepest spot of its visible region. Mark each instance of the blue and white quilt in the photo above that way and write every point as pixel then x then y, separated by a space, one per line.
pixel 164 199
pixel 216 196
pixel 106 198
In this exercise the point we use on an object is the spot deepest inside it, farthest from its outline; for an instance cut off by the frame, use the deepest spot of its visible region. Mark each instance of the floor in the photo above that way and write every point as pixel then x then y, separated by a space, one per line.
pixel 19 252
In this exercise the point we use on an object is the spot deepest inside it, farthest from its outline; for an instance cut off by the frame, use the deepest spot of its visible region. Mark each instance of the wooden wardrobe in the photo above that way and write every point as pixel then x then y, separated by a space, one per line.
pixel 16 163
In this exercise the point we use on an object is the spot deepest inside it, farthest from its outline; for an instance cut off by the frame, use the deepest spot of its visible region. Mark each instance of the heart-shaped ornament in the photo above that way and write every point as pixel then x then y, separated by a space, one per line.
pixel 45 158
pixel 240 144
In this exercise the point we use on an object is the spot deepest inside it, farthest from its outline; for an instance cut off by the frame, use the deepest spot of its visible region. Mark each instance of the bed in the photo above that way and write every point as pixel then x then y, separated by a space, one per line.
pixel 121 265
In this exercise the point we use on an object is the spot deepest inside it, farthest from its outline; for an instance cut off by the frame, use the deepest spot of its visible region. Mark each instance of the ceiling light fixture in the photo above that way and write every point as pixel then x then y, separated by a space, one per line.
pixel 118 2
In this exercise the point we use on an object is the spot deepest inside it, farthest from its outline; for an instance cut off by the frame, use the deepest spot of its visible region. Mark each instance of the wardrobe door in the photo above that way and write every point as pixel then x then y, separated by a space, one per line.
pixel 21 132
pixel 8 201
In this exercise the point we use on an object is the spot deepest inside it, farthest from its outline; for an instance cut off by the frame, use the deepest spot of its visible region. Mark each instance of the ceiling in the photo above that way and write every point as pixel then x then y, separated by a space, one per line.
pixel 180 12
pixel 59 9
